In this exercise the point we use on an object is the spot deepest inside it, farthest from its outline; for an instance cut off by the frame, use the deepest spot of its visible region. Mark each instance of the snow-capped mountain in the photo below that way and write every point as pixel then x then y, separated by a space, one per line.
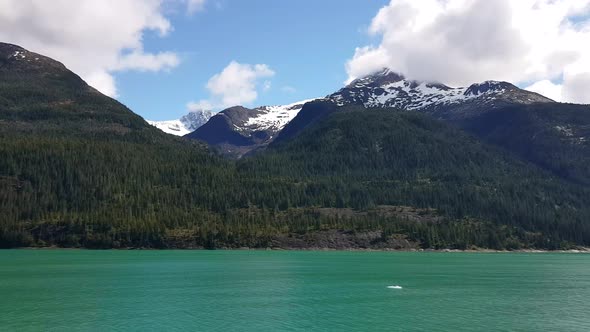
pixel 185 125
pixel 237 130
pixel 389 89
pixel 463 106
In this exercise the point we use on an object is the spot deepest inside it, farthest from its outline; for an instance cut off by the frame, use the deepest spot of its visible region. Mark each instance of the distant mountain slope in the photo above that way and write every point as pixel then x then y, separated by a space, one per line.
pixel 238 130
pixel 185 125
pixel 551 135
pixel 387 157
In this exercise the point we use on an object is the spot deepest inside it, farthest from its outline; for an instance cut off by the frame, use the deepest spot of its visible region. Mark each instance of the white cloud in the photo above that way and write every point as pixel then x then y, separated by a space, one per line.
pixel 102 81
pixel 199 105
pixel 140 61
pixel 237 84
pixel 464 41
pixel 267 85
pixel 194 6
pixel 576 87
pixel 547 89
pixel 92 38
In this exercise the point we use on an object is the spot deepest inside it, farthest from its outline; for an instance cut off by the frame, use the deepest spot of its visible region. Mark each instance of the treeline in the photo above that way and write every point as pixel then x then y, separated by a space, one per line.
pixel 270 229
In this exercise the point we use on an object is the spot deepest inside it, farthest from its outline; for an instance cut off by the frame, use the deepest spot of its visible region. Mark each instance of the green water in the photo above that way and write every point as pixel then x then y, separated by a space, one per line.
pixel 69 290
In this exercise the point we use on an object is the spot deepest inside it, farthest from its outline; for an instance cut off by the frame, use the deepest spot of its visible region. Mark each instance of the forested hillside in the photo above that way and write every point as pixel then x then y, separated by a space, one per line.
pixel 387 157
pixel 78 169
pixel 553 136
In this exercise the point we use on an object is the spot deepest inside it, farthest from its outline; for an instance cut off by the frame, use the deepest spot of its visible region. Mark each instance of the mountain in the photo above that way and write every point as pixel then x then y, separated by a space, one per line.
pixel 79 169
pixel 389 89
pixel 185 125
pixel 238 130
pixel 554 136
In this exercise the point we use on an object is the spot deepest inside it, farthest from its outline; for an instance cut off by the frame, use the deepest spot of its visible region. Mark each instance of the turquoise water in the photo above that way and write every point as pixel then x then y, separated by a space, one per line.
pixel 71 290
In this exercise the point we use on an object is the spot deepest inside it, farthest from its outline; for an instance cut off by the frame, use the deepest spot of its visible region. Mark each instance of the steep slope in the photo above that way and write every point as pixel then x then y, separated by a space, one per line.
pixel 185 125
pixel 41 90
pixel 78 168
pixel 238 130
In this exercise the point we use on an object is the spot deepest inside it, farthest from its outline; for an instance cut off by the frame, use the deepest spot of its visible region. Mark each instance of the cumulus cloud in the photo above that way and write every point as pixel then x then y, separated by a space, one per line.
pixel 200 105
pixel 236 84
pixel 140 61
pixel 92 38
pixel 547 89
pixel 576 88
pixel 464 41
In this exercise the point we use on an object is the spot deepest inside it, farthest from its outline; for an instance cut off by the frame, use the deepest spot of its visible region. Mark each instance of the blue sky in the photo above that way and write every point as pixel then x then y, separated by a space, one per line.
pixel 306 44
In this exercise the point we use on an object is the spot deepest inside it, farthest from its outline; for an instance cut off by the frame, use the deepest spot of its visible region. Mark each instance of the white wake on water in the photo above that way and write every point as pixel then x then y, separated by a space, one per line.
pixel 394 287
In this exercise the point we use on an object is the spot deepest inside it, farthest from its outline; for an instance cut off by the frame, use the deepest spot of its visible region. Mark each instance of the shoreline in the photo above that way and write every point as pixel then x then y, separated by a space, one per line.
pixel 581 250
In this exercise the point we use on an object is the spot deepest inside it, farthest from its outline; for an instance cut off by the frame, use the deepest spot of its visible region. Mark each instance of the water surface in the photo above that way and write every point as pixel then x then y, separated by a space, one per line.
pixel 79 290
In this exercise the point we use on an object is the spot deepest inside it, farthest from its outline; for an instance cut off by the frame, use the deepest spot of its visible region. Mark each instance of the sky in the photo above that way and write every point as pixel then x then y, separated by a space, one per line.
pixel 163 58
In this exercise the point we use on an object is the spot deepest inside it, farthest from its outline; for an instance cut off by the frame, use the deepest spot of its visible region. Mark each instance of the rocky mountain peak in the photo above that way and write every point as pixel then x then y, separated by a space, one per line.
pixel 489 87
pixel 381 77
pixel 186 124
pixel 195 119
pixel 387 88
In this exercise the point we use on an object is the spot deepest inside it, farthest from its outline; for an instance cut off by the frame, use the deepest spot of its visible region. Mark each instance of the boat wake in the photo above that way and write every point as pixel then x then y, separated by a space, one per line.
pixel 394 287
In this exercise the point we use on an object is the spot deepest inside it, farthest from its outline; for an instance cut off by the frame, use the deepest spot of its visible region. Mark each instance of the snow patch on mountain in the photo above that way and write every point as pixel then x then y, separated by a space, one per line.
pixel 185 125
pixel 408 95
pixel 276 117
pixel 174 127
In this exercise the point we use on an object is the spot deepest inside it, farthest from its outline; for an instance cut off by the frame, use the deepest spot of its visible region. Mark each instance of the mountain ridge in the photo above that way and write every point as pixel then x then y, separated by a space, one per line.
pixel 386 88
pixel 382 89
